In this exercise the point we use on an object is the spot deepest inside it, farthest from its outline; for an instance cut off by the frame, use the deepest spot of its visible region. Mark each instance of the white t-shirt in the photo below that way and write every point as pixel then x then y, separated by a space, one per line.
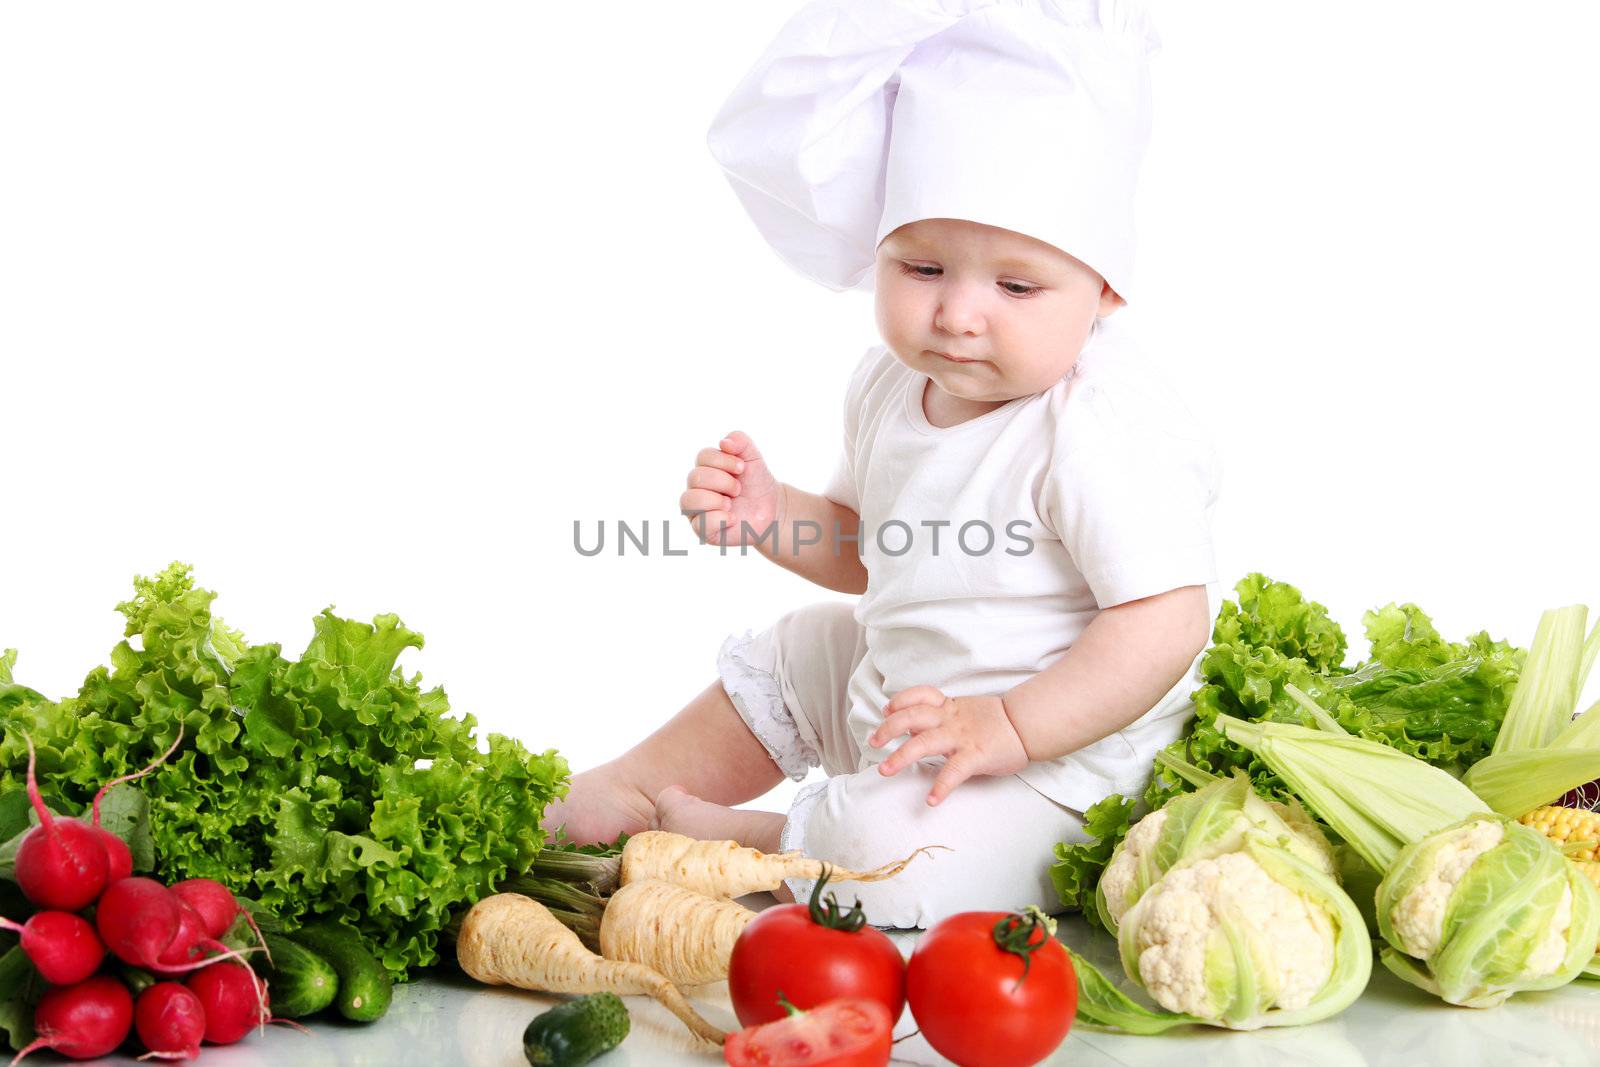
pixel 1097 491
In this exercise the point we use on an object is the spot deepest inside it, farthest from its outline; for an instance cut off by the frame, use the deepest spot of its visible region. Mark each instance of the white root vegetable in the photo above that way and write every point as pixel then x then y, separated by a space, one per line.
pixel 686 936
pixel 508 939
pixel 723 870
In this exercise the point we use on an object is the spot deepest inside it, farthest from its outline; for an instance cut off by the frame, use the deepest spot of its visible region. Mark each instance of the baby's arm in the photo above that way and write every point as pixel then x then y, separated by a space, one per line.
pixel 832 566
pixel 1125 660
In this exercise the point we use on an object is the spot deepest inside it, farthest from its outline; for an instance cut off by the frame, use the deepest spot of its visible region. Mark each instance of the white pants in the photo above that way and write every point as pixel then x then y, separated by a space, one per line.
pixel 788 683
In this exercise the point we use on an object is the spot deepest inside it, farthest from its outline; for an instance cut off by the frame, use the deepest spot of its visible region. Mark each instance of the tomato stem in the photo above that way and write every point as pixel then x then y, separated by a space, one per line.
pixel 830 913
pixel 1015 934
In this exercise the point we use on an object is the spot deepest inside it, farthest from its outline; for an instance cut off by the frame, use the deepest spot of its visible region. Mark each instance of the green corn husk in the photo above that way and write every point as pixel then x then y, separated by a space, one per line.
pixel 1549 682
pixel 1336 774
pixel 1514 783
pixel 1542 751
pixel 1583 731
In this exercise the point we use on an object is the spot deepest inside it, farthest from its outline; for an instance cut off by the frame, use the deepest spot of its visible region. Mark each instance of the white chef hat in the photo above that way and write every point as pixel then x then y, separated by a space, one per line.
pixel 864 115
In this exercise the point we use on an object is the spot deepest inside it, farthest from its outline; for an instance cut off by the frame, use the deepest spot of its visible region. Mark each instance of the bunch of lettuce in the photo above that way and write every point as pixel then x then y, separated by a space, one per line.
pixel 328 785
pixel 1439 701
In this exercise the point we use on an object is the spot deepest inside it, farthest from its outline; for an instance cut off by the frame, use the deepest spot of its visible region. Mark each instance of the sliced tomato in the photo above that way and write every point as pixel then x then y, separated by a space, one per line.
pixel 840 1033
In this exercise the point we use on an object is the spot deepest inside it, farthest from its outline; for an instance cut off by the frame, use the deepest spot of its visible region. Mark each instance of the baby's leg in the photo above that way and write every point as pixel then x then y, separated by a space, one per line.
pixel 706 748
pixel 1000 831
pixel 730 749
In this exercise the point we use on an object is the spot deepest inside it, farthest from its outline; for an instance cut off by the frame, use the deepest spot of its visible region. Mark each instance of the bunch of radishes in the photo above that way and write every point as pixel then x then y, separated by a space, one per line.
pixel 200 991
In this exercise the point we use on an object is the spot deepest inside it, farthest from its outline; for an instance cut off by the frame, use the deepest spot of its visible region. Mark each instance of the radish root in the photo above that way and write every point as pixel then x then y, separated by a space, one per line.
pixel 509 939
pixel 42 1041
pixel 176 741
pixel 223 952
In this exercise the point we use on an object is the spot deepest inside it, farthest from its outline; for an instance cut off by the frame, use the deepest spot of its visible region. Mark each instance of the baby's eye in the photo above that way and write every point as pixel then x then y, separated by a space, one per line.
pixel 915 270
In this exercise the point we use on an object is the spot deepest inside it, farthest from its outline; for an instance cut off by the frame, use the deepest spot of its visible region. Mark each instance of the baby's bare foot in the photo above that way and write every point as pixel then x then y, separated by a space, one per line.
pixel 681 812
pixel 599 807
pixel 678 811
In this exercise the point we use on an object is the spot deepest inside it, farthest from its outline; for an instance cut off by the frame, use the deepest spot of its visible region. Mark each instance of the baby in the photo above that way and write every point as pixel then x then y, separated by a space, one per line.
pixel 1022 505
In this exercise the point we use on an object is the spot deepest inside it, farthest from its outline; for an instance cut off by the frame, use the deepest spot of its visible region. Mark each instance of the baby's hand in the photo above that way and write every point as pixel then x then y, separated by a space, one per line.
pixel 730 485
pixel 974 734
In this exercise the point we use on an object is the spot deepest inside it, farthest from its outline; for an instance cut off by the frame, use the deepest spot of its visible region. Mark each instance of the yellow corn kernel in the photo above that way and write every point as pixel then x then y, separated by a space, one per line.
pixel 1589 869
pixel 1567 824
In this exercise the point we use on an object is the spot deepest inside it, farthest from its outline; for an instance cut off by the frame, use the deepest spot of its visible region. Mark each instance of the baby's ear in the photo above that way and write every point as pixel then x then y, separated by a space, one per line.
pixel 1109 300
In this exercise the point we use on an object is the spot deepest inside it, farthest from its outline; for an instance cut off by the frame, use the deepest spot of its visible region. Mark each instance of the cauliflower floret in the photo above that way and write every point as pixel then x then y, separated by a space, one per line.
pixel 1117 880
pixel 1418 918
pixel 1303 839
pixel 1306 840
pixel 1179 916
pixel 1547 957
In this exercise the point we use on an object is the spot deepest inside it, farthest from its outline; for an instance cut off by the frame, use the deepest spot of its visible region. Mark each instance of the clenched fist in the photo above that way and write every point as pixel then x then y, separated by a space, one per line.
pixel 731 485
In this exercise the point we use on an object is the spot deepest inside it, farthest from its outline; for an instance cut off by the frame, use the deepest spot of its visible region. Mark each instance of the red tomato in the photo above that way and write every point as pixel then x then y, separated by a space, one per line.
pixel 840 1033
pixel 968 992
pixel 810 954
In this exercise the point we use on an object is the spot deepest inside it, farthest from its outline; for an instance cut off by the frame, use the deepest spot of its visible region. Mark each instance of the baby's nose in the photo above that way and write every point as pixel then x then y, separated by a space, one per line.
pixel 958 317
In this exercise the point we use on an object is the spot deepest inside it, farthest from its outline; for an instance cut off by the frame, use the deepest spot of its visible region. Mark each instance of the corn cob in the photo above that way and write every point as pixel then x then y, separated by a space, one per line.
pixel 1589 869
pixel 1566 825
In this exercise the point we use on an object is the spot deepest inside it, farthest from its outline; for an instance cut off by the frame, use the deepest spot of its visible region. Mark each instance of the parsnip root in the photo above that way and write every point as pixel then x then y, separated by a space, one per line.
pixel 686 936
pixel 508 939
pixel 723 870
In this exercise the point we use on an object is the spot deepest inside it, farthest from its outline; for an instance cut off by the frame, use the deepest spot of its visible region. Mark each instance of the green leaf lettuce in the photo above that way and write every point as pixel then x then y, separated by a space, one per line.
pixel 327 785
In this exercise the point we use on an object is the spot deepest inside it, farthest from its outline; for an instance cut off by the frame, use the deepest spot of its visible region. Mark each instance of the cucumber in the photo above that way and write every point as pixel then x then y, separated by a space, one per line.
pixel 299 981
pixel 576 1032
pixel 365 988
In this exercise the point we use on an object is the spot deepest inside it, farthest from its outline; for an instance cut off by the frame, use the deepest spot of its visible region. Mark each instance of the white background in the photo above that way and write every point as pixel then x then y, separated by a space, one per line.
pixel 366 304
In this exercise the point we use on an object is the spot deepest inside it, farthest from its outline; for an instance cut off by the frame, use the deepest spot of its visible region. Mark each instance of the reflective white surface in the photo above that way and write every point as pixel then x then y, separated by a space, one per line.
pixel 446 1019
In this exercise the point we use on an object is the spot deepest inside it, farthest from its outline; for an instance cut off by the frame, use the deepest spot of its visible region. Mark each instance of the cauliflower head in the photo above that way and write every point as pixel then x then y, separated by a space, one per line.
pixel 1485 909
pixel 1181 934
pixel 1119 884
pixel 1418 917
pixel 1209 822
pixel 1248 938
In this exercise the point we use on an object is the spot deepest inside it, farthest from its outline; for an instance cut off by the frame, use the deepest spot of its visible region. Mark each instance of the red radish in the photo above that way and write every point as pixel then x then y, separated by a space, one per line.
pixel 63 947
pixel 84 1020
pixel 212 901
pixel 120 860
pixel 62 863
pixel 217 907
pixel 170 1021
pixel 185 945
pixel 234 1001
pixel 142 923
pixel 138 919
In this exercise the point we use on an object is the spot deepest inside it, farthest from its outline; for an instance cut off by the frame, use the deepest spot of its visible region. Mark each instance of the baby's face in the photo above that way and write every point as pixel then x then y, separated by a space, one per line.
pixel 1021 309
